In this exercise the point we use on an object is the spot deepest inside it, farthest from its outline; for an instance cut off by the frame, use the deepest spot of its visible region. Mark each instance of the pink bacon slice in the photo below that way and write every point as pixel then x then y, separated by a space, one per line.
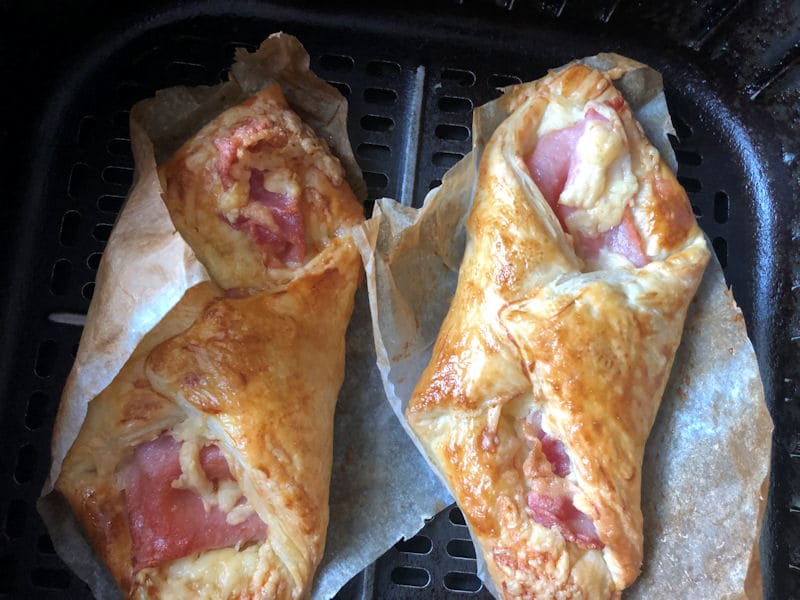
pixel 550 165
pixel 558 510
pixel 168 523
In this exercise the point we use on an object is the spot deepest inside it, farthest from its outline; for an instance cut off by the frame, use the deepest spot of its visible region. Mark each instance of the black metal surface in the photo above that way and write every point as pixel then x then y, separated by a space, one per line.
pixel 412 79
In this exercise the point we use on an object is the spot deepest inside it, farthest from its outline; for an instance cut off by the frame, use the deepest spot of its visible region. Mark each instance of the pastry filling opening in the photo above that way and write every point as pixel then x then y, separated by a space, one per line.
pixel 584 173
pixel 262 199
pixel 550 498
pixel 182 499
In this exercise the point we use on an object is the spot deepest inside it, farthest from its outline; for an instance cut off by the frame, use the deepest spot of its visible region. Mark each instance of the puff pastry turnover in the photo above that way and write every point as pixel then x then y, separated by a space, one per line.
pixel 582 256
pixel 203 469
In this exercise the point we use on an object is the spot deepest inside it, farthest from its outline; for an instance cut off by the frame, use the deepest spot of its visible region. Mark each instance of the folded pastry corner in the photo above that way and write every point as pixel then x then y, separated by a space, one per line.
pixel 582 257
pixel 203 469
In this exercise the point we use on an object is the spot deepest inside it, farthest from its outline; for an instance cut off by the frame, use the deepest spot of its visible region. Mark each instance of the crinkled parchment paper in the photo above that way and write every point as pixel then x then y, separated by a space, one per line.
pixel 147 267
pixel 709 450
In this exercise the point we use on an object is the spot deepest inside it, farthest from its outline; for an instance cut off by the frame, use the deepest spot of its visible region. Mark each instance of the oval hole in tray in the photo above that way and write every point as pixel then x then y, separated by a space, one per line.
pixel 456 133
pixel 337 63
pixel 383 96
pixel 459 581
pixel 383 68
pixel 374 151
pixel 462 77
pixel 45 358
pixel 419 544
pixel 36 412
pixel 410 576
pixel 377 123
pixel 26 463
pixel 500 80
pixel 455 104
pixel 721 207
pixel 61 276
pixel 456 517
pixel 458 548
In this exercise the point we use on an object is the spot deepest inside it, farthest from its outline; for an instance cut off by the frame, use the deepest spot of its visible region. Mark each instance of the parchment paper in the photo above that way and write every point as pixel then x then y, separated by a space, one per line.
pixel 708 454
pixel 146 268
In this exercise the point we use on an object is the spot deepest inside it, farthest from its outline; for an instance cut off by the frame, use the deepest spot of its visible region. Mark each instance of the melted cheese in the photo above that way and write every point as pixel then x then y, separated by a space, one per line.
pixel 224 573
pixel 228 496
pixel 601 181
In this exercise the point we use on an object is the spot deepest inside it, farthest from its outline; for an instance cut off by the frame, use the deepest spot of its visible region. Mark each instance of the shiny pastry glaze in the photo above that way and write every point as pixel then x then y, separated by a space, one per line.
pixel 582 256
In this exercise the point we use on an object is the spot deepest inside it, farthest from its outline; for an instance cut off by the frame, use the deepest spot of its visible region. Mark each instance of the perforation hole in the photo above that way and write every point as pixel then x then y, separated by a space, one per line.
pixel 457 581
pixel 101 231
pixel 377 123
pixel 410 577
pixel 690 184
pixel 446 159
pixel 78 184
pixel 26 464
pixel 721 248
pixel 374 151
pixel 15 518
pixel 376 182
pixel 343 88
pixel 461 77
pixel 461 548
pixel 455 104
pixel 120 147
pixel 499 80
pixel 118 175
pixel 382 96
pixel 456 133
pixel 93 260
pixel 60 276
pixel 419 544
pixel 682 128
pixel 87 291
pixel 87 129
pixel 336 62
pixel 383 68
pixel 456 516
pixel 50 579
pixel 36 411
pixel 721 207
pixel 45 358
pixel 110 203
pixel 687 157
pixel 186 72
pixel 45 545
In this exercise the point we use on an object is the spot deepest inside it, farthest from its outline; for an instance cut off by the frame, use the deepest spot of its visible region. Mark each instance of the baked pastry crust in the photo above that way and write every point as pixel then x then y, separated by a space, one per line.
pixel 550 365
pixel 211 184
pixel 238 381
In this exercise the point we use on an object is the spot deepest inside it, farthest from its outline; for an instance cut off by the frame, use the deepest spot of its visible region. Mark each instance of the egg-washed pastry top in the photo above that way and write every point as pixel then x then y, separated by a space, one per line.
pixel 582 256
pixel 203 469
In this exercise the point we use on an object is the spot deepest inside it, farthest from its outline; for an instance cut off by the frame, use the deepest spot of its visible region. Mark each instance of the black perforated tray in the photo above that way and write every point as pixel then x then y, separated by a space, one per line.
pixel 412 80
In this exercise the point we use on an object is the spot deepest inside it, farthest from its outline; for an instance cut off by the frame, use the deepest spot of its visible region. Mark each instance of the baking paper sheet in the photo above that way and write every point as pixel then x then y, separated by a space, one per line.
pixel 145 270
pixel 708 454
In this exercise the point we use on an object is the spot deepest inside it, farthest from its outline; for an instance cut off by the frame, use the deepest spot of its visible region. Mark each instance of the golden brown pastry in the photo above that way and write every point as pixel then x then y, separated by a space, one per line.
pixel 582 257
pixel 203 469
pixel 257 194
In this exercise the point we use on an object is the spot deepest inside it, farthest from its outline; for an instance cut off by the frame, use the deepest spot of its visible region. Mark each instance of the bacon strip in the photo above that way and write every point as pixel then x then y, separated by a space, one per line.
pixel 561 513
pixel 550 164
pixel 167 523
pixel 553 448
pixel 551 501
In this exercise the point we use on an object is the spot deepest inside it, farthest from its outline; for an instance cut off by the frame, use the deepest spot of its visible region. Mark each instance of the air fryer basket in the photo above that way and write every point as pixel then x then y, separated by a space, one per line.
pixel 732 77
